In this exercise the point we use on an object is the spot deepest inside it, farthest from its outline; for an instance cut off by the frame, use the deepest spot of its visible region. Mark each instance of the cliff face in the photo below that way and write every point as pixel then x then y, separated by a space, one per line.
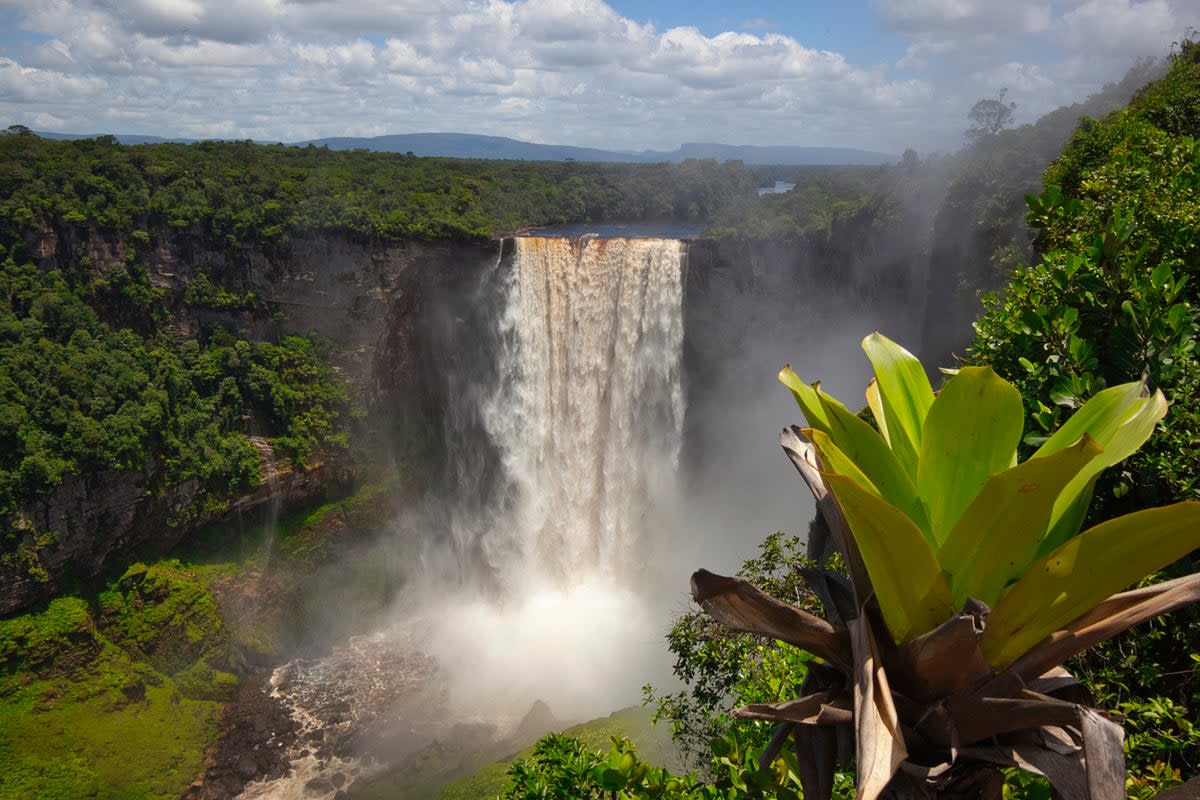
pixel 378 302
pixel 354 290
pixel 414 322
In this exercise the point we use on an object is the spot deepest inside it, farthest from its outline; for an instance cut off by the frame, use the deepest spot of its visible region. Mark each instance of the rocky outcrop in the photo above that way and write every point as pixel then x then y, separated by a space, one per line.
pixel 88 525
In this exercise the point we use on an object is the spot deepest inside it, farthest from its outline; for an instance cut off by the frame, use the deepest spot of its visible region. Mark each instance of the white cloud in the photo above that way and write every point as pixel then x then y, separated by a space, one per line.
pixel 570 71
pixel 1120 27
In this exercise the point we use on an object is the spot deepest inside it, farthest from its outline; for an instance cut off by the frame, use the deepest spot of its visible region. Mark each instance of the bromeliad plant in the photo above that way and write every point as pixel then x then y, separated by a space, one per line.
pixel 970 583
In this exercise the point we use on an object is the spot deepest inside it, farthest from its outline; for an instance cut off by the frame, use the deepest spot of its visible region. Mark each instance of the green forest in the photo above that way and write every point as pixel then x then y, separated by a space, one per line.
pixel 244 194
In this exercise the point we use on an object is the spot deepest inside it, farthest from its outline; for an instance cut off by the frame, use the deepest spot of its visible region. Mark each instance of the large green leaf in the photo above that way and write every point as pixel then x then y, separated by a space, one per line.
pixel 806 398
pixel 867 449
pixel 1083 572
pixel 904 395
pixel 908 583
pixel 997 537
pixel 875 403
pixel 835 461
pixel 971 432
pixel 1120 419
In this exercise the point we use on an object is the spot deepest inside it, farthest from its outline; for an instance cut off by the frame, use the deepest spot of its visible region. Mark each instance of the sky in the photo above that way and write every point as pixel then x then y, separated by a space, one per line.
pixel 882 75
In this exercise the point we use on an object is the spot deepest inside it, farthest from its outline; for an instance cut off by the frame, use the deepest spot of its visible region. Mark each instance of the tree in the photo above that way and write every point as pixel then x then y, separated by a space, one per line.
pixel 989 116
pixel 970 585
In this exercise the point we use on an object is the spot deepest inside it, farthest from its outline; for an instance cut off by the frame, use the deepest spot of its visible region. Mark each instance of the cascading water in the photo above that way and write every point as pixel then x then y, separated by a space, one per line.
pixel 587 414
pixel 583 416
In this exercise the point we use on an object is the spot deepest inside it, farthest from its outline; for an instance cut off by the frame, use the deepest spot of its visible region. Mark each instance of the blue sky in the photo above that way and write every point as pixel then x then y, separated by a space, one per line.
pixel 851 27
pixel 877 74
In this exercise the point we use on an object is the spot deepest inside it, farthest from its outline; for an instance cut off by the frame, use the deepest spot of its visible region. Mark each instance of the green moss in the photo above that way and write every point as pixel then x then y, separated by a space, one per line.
pixel 88 707
pixel 120 697
pixel 163 615
pixel 55 639
pixel 112 728
pixel 201 681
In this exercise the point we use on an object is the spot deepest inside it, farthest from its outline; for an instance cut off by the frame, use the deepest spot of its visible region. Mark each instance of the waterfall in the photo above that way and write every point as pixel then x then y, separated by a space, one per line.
pixel 586 411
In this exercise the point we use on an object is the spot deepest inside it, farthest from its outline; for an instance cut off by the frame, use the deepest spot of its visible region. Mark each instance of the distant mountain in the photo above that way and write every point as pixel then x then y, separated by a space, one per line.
pixel 469 145
pixel 123 138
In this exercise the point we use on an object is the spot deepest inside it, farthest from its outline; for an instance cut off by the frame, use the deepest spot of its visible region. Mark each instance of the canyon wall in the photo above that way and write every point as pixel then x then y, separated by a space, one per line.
pixel 381 304
pixel 411 322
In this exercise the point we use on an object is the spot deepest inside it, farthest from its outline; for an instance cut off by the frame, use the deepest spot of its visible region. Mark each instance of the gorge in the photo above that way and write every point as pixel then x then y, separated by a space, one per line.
pixel 578 422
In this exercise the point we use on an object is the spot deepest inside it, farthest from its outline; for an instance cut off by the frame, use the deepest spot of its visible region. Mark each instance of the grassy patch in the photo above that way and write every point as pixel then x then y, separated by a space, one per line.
pixel 482 776
pixel 653 743
pixel 104 726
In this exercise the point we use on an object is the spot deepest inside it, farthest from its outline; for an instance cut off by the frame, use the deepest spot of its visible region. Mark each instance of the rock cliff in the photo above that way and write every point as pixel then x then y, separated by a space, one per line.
pixel 375 300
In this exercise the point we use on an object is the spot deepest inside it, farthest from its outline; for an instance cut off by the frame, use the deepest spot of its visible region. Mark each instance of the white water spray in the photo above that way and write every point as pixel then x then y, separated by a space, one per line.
pixel 586 416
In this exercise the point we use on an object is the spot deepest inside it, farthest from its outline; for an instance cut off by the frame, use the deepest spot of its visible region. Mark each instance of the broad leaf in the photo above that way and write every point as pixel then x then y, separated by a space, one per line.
pixel 803 454
pixel 904 396
pixel 806 398
pixel 912 591
pixel 1080 574
pixel 999 534
pixel 945 661
pixel 1114 616
pixel 971 431
pixel 863 445
pixel 1120 419
pixel 875 403
pixel 834 461
pixel 821 708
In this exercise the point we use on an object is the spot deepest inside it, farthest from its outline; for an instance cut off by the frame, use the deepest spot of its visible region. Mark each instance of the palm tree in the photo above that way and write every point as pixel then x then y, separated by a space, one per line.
pixel 969 585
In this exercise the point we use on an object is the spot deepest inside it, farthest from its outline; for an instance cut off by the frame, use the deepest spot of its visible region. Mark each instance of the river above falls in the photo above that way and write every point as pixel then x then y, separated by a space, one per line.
pixel 621 230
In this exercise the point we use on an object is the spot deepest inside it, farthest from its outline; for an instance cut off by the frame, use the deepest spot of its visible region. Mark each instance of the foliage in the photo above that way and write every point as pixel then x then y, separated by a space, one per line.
pixel 201 292
pixel 980 230
pixel 1112 297
pixel 78 395
pixel 817 205
pixel 964 520
pixel 723 669
pixel 251 195
pixel 969 581
pixel 563 767
pixel 989 116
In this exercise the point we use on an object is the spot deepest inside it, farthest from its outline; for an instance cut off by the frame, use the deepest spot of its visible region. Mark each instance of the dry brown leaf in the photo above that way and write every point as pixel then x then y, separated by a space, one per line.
pixel 738 604
pixel 880 744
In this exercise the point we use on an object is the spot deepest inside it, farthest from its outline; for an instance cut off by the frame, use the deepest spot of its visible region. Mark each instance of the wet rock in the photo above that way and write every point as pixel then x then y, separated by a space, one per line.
pixel 247 766
pixel 238 756
pixel 318 785
pixel 537 721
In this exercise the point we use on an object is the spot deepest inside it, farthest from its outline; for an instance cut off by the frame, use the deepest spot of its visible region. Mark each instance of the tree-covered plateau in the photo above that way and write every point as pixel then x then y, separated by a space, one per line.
pixel 247 194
